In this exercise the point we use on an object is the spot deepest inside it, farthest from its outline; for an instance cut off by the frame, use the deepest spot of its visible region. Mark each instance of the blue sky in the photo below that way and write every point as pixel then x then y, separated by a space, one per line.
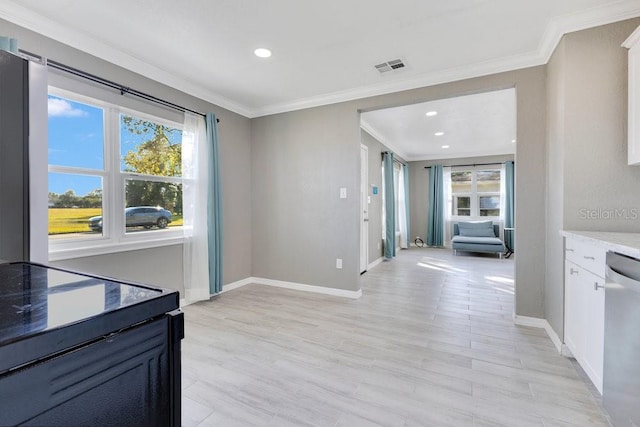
pixel 76 139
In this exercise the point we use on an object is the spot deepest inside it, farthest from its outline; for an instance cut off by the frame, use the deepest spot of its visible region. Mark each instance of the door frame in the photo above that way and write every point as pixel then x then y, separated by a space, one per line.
pixel 364 208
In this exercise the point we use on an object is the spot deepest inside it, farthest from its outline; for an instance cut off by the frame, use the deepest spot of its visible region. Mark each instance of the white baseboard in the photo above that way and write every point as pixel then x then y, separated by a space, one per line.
pixel 288 285
pixel 308 288
pixel 237 284
pixel 225 288
pixel 374 263
pixel 535 322
pixel 192 296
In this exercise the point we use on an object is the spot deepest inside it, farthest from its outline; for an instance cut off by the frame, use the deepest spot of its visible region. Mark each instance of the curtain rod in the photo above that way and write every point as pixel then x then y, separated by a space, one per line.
pixel 111 84
pixel 474 164
pixel 394 159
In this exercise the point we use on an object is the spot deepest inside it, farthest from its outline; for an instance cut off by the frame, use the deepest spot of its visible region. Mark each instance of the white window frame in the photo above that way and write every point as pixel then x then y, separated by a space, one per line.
pixel 474 194
pixel 454 197
pixel 114 237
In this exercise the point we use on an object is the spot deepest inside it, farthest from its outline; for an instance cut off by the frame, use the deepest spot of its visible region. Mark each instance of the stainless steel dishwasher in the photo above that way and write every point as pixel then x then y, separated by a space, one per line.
pixel 621 377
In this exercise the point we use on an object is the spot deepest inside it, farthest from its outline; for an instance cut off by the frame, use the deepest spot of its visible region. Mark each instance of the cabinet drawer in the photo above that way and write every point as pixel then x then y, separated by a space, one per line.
pixel 588 256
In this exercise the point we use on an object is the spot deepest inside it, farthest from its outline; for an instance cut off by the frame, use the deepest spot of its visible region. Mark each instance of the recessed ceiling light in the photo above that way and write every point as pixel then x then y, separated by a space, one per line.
pixel 262 52
pixel 439 133
pixel 445 146
pixel 513 140
pixel 431 113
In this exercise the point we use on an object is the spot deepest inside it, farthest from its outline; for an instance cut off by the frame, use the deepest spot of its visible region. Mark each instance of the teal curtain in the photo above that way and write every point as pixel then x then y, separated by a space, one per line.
pixel 214 204
pixel 435 221
pixel 509 202
pixel 405 169
pixel 389 207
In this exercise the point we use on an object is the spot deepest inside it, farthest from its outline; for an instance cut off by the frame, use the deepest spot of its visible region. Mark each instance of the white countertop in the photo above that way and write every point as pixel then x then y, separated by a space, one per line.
pixel 624 243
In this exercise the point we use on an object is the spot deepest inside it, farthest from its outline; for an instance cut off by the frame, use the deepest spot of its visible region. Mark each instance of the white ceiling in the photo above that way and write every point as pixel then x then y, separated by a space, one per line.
pixel 323 51
pixel 474 125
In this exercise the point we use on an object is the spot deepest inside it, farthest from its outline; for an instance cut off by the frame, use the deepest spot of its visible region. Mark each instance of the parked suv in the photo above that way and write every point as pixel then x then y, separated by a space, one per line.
pixel 138 216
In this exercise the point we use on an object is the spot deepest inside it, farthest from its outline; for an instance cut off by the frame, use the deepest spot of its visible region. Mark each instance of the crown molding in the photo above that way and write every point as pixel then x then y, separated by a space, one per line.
pixel 37 23
pixel 632 39
pixel 594 17
pixel 422 80
pixel 376 134
pixel 557 27
pixel 371 130
pixel 443 156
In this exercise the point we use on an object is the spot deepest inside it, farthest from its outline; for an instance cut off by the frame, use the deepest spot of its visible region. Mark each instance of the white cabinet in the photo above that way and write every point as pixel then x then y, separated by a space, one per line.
pixel 584 306
pixel 633 147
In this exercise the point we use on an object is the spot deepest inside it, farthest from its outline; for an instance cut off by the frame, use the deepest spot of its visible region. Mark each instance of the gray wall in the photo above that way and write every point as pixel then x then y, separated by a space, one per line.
pixel 300 225
pixel 291 149
pixel 419 184
pixel 234 137
pixel 154 266
pixel 554 289
pixel 595 127
pixel 588 176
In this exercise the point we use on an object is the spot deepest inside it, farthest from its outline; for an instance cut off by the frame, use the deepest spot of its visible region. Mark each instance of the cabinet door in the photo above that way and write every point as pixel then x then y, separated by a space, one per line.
pixel 594 351
pixel 575 310
pixel 584 320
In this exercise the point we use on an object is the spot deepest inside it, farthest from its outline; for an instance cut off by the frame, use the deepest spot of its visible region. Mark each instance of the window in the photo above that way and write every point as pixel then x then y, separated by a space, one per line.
pixel 475 193
pixel 115 175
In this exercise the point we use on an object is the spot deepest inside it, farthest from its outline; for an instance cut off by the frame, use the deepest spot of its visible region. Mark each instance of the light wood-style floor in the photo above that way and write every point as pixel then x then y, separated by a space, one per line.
pixel 430 343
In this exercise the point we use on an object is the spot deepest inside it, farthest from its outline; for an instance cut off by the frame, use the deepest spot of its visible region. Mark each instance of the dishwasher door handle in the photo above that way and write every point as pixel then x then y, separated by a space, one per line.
pixel 617 280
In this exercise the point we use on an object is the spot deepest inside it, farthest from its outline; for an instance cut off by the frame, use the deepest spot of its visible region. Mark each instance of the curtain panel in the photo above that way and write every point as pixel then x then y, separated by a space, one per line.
pixel 405 170
pixel 389 207
pixel 214 202
pixel 435 220
pixel 509 217
pixel 402 210
pixel 448 206
pixel 195 184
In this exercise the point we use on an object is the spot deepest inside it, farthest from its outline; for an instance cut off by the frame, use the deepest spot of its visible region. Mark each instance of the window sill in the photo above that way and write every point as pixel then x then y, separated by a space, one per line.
pixel 88 250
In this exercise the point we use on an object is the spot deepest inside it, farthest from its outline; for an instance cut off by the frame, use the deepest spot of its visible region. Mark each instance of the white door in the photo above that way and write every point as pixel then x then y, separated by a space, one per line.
pixel 364 208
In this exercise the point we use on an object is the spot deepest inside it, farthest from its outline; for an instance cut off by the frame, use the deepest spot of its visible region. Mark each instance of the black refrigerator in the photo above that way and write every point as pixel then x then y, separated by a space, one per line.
pixel 77 349
pixel 14 157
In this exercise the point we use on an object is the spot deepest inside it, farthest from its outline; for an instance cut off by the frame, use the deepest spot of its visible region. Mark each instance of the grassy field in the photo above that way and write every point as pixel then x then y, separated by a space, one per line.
pixel 76 220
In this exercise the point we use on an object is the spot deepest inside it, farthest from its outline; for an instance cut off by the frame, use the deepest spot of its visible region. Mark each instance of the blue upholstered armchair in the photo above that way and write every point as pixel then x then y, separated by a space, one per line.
pixel 477 236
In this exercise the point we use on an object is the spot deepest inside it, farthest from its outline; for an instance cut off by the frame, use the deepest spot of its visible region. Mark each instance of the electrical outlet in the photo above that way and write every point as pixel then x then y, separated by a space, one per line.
pixel 338 262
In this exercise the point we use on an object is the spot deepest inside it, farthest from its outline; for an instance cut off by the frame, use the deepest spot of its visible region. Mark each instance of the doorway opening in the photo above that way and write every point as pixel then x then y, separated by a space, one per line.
pixel 470 134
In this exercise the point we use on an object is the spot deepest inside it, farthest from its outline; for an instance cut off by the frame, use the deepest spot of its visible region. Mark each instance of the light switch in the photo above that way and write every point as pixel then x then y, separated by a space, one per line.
pixel 338 262
pixel 343 192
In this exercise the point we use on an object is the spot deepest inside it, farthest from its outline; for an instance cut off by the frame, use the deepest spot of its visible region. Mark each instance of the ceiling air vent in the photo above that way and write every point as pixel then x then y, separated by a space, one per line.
pixel 385 67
